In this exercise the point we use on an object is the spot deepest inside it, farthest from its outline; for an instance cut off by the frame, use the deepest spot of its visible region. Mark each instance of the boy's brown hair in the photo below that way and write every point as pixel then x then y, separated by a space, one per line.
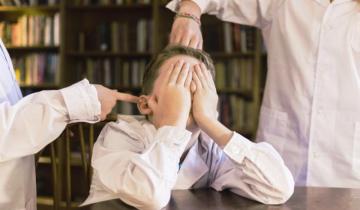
pixel 152 69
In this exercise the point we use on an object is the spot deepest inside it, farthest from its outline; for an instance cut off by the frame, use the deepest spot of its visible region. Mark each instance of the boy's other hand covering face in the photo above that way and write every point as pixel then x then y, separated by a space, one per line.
pixel 170 100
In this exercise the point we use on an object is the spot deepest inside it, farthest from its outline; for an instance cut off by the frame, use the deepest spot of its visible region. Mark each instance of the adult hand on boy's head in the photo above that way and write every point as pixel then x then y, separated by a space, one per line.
pixel 205 100
pixel 109 97
pixel 186 31
pixel 171 105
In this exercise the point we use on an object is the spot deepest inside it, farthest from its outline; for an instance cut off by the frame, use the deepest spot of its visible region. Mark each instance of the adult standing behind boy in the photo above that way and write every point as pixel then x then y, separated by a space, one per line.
pixel 311 107
pixel 28 124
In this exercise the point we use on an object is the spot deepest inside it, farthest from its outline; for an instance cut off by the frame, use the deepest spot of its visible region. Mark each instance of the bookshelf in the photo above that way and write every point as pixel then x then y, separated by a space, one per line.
pixel 111 44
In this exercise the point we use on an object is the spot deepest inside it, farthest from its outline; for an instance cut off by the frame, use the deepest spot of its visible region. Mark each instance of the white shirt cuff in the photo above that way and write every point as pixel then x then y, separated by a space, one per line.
pixel 82 102
pixel 237 147
pixel 203 4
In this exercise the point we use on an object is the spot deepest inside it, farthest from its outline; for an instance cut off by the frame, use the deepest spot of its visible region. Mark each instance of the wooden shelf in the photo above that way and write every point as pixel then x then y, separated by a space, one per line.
pixel 21 49
pixel 111 7
pixel 29 9
pixel 109 54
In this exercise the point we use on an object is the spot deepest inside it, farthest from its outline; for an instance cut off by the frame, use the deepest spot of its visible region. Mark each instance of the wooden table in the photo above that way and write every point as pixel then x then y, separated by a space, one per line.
pixel 304 198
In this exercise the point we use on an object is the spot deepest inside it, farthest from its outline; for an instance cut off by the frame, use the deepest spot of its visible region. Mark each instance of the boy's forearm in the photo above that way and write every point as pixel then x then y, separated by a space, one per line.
pixel 216 131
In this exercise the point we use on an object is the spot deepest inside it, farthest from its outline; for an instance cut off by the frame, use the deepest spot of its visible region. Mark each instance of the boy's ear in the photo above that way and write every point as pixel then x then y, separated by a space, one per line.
pixel 143 105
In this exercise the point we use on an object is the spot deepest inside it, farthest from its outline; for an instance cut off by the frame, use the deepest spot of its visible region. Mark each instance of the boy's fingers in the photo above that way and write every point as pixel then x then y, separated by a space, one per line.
pixel 183 74
pixel 175 72
pixel 212 82
pixel 193 85
pixel 168 72
pixel 201 76
pixel 126 97
pixel 188 80
pixel 206 74
pixel 196 80
pixel 209 77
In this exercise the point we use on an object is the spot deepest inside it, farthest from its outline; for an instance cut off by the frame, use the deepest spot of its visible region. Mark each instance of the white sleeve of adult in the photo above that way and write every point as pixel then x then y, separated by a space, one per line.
pixel 255 171
pixel 248 12
pixel 39 118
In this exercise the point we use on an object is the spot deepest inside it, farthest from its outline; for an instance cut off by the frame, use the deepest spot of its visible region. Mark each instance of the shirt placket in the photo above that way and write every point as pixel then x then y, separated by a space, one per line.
pixel 320 101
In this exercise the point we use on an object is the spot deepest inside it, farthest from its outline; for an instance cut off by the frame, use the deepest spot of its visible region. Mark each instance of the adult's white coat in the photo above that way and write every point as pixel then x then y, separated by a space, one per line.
pixel 28 124
pixel 311 106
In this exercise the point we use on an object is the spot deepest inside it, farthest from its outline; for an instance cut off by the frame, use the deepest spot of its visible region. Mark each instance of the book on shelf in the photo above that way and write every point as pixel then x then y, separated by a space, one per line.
pixel 37 69
pixel 234 74
pixel 29 2
pixel 31 31
pixel 236 113
pixel 110 2
pixel 228 37
pixel 118 37
pixel 116 73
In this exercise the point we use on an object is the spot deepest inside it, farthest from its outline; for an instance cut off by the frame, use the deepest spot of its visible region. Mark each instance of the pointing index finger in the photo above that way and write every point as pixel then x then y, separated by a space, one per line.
pixel 126 97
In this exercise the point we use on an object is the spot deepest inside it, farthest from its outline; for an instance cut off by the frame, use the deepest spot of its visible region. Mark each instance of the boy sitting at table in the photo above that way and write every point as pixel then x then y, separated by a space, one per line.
pixel 180 144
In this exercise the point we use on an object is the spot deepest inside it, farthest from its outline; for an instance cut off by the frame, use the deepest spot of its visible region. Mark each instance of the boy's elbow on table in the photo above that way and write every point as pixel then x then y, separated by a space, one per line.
pixel 155 201
pixel 280 195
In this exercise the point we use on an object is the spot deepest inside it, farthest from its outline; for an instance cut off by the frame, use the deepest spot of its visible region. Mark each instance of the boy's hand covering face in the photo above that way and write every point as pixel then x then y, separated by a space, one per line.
pixel 171 104
pixel 205 99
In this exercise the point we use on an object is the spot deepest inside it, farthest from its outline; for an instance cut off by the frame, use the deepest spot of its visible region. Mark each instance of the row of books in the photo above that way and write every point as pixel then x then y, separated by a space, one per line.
pixel 37 69
pixel 32 31
pixel 113 72
pixel 239 38
pixel 111 2
pixel 28 2
pixel 229 37
pixel 234 74
pixel 118 37
pixel 236 113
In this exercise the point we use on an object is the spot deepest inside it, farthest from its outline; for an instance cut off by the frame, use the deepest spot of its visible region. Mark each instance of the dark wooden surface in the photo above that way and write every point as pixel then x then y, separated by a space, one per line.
pixel 206 199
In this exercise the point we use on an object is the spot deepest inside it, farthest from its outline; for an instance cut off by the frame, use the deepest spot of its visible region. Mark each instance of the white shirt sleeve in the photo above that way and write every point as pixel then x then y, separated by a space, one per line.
pixel 255 171
pixel 247 12
pixel 140 174
pixel 38 119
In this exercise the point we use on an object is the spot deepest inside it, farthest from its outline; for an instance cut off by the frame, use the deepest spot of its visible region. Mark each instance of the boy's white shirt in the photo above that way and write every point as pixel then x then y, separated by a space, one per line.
pixel 135 162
